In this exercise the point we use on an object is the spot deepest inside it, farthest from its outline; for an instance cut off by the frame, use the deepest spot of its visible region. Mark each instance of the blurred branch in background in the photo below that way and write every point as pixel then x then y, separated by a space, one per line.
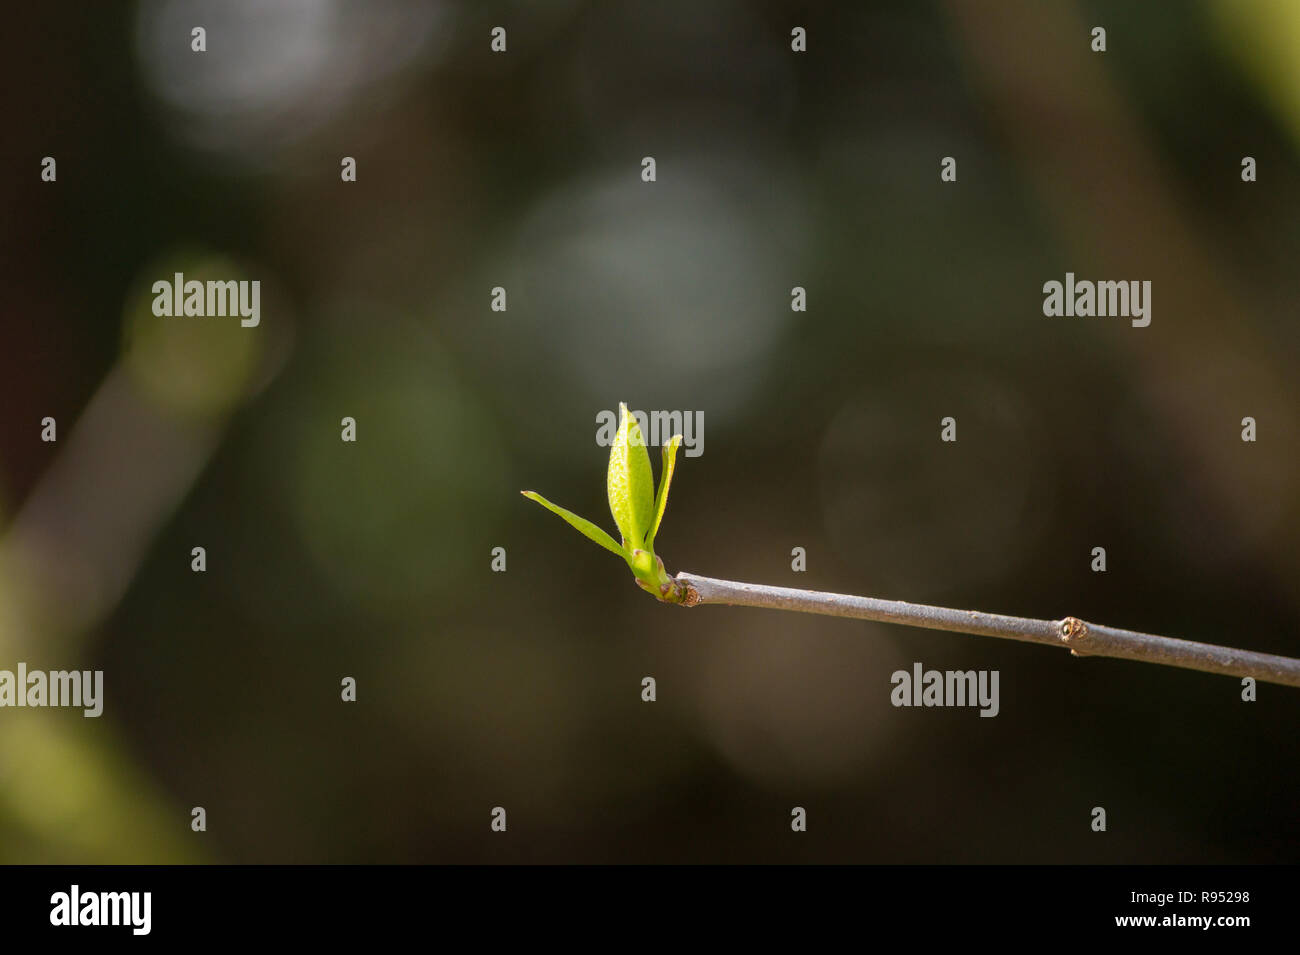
pixel 71 552
pixel 73 548
pixel 66 559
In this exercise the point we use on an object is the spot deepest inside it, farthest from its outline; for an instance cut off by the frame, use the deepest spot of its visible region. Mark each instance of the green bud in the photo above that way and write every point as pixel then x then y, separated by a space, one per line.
pixel 637 509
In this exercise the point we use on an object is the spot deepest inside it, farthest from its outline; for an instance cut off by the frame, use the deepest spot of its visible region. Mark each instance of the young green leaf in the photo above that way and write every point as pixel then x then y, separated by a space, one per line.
pixel 665 480
pixel 630 482
pixel 581 524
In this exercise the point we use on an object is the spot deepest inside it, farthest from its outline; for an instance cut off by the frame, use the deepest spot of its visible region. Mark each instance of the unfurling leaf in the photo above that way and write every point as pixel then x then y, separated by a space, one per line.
pixel 581 524
pixel 630 482
pixel 665 481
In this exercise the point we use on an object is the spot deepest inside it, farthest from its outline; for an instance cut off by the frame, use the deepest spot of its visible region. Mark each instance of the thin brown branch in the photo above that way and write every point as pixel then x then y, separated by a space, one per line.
pixel 1082 639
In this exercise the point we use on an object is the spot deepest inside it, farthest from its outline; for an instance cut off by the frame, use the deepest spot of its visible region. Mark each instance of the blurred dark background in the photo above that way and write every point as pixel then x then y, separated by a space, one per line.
pixel 522 689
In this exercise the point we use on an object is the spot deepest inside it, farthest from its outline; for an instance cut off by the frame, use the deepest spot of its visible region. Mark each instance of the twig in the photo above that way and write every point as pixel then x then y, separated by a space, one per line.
pixel 1082 639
